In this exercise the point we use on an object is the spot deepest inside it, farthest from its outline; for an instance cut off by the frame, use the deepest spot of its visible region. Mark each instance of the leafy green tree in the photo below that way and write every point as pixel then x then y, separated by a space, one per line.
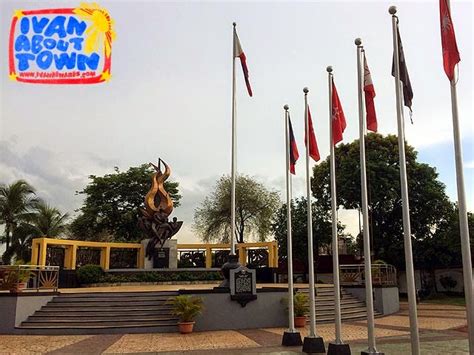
pixel 16 201
pixel 111 205
pixel 322 229
pixel 428 201
pixel 255 207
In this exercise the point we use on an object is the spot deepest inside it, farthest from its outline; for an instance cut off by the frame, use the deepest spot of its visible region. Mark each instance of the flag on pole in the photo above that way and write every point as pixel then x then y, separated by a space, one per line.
pixel 294 155
pixel 404 78
pixel 239 53
pixel 448 40
pixel 313 145
pixel 338 118
pixel 369 99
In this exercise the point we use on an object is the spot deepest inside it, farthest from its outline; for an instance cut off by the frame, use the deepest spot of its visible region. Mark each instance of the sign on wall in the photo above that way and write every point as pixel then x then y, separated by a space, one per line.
pixel 61 46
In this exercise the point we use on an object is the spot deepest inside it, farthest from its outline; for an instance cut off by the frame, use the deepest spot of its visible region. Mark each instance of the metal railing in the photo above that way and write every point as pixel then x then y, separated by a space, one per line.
pixel 382 274
pixel 17 278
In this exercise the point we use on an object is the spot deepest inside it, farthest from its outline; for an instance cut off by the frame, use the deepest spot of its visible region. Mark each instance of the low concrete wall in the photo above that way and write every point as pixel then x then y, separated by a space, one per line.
pixel 386 299
pixel 26 306
pixel 15 308
pixel 221 313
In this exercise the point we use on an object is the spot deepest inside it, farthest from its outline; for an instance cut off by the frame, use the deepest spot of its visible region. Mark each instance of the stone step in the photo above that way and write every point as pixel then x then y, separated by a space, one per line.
pixel 105 304
pixel 99 320
pixel 45 326
pixel 105 308
pixel 111 299
pixel 88 313
pixel 118 294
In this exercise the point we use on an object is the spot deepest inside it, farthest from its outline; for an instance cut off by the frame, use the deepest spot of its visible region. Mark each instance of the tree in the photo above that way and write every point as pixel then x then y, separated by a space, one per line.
pixel 322 230
pixel 385 205
pixel 111 206
pixel 255 206
pixel 16 200
pixel 43 221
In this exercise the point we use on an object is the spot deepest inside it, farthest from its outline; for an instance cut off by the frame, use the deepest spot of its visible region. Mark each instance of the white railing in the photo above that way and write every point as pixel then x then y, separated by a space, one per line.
pixel 16 278
pixel 382 274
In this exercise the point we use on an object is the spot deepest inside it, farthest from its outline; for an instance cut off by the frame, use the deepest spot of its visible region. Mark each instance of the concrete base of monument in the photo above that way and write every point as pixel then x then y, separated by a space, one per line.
pixel 166 257
pixel 291 338
pixel 339 349
pixel 313 345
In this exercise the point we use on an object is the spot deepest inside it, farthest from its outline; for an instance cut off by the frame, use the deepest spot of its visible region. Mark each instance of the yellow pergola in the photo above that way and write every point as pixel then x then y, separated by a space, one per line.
pixel 40 247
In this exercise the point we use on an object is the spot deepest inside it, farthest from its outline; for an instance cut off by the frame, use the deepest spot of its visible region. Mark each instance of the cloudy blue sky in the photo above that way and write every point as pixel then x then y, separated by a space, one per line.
pixel 170 93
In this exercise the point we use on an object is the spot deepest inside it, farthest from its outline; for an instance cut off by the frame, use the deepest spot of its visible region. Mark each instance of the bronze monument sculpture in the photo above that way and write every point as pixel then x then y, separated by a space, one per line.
pixel 158 206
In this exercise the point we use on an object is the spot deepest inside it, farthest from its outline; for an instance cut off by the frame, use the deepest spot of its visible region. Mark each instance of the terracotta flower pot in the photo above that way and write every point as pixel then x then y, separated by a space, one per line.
pixel 300 322
pixel 186 327
pixel 20 286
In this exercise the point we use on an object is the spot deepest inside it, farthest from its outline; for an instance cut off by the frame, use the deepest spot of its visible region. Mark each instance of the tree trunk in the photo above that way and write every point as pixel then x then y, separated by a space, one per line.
pixel 7 235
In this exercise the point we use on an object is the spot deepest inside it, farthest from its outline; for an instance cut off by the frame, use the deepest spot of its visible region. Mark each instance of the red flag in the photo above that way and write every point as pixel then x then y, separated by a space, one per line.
pixel 313 145
pixel 369 99
pixel 293 148
pixel 338 119
pixel 239 53
pixel 448 40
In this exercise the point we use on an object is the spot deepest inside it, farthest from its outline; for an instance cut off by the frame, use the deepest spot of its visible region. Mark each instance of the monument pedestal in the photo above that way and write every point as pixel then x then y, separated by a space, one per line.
pixel 165 258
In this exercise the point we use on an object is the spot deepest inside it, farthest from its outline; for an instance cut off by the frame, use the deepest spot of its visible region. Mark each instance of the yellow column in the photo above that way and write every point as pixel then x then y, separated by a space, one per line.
pixel 34 253
pixel 270 255
pixel 275 254
pixel 73 257
pixel 42 252
pixel 141 258
pixel 105 258
pixel 67 257
pixel 208 257
pixel 242 255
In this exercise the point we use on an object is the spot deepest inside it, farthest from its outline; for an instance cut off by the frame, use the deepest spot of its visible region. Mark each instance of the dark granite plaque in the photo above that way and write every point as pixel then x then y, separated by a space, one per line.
pixel 161 258
pixel 243 287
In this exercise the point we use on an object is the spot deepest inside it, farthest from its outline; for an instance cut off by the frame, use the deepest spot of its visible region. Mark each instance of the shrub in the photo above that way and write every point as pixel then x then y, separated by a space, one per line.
pixel 90 274
pixel 300 304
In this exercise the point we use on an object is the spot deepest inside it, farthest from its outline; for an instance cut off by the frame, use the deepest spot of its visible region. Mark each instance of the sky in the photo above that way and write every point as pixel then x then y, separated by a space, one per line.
pixel 170 94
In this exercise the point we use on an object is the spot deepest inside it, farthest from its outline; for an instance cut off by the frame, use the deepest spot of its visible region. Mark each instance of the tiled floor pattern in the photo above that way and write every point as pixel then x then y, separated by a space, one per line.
pixel 442 330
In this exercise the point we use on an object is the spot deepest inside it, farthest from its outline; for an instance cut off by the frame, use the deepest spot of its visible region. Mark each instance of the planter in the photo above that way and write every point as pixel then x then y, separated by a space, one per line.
pixel 300 322
pixel 18 287
pixel 186 327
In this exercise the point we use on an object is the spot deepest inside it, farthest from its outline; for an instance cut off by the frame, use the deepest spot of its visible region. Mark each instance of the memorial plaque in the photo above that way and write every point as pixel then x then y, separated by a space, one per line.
pixel 243 287
pixel 161 258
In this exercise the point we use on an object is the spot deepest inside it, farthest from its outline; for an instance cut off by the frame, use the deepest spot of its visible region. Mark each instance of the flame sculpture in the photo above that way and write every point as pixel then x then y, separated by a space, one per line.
pixel 158 206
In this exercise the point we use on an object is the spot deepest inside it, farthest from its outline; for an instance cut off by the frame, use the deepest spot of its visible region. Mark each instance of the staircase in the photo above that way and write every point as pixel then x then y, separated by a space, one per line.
pixel 351 308
pixel 103 312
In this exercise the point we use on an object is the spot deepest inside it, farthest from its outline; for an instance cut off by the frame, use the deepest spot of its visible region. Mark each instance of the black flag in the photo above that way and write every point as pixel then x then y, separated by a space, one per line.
pixel 405 79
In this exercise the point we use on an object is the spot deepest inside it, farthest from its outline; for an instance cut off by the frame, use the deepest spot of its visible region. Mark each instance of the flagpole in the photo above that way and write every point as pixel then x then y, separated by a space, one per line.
pixel 365 210
pixel 312 343
pixel 290 337
pixel 410 274
pixel 234 152
pixel 338 347
pixel 463 224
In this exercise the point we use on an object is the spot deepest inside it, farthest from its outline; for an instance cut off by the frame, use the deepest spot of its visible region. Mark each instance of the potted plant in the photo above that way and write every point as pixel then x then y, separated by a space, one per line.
pixel 186 308
pixel 16 278
pixel 301 308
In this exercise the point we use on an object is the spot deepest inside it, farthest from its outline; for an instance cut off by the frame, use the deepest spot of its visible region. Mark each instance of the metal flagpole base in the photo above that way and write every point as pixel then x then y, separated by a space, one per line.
pixel 313 345
pixel 369 352
pixel 291 338
pixel 339 349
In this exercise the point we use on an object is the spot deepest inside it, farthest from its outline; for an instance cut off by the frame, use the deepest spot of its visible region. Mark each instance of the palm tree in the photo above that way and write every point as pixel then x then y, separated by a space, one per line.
pixel 48 221
pixel 43 221
pixel 16 201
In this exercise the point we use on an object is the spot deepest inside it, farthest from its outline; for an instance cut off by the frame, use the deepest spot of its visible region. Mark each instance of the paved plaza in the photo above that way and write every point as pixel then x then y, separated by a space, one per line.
pixel 443 330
